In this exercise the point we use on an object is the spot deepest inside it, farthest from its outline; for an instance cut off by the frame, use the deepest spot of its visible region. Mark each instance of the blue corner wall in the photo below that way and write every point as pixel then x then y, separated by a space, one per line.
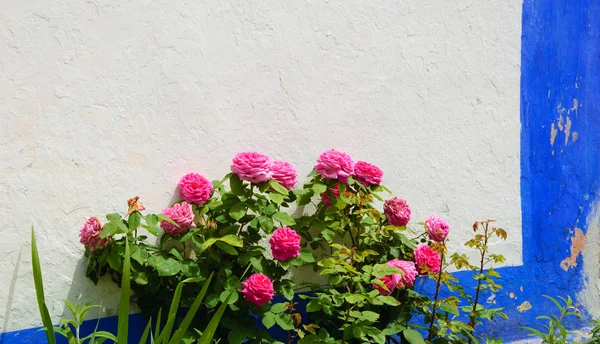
pixel 560 141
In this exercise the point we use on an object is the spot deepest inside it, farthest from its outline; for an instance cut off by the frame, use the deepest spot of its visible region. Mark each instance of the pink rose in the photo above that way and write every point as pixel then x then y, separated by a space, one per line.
pixel 194 188
pixel 258 289
pixel 390 281
pixel 284 173
pixel 367 174
pixel 285 244
pixel 335 165
pixel 335 190
pixel 410 272
pixel 251 166
pixel 182 215
pixel 406 280
pixel 427 259
pixel 437 228
pixel 89 235
pixel 397 211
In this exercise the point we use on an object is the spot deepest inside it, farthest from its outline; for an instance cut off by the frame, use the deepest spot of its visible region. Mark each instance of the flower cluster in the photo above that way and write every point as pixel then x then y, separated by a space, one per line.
pixel 219 228
pixel 257 168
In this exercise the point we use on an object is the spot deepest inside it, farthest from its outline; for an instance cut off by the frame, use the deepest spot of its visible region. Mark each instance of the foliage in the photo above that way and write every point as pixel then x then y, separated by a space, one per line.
pixel 70 329
pixel 447 325
pixel 225 240
pixel 556 333
pixel 355 241
pixel 344 237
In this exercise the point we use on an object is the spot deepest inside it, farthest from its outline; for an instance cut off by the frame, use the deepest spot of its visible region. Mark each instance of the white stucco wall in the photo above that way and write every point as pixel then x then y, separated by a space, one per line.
pixel 104 100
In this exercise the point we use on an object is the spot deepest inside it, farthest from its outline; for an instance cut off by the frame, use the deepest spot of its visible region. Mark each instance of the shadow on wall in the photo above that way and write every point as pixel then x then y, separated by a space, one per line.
pixel 11 292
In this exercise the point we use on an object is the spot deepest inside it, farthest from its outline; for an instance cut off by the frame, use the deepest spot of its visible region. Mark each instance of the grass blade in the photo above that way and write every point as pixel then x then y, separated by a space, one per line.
pixel 166 333
pixel 178 336
pixel 144 338
pixel 211 328
pixel 123 322
pixel 39 290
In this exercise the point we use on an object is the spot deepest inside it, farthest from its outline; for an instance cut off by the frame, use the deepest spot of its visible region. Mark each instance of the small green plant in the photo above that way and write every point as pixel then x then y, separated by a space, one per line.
pixel 445 316
pixel 70 329
pixel 556 333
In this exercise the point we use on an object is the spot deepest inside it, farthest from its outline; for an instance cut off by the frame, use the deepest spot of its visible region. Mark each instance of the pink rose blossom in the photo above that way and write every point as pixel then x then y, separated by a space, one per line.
pixel 410 272
pixel 285 244
pixel 327 199
pixel 397 211
pixel 251 166
pixel 335 165
pixel 393 281
pixel 89 235
pixel 367 174
pixel 182 215
pixel 427 259
pixel 284 173
pixel 194 188
pixel 258 289
pixel 437 228
pixel 390 282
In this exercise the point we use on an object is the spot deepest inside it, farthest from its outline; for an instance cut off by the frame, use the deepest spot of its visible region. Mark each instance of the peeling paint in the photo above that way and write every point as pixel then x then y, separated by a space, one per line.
pixel 512 295
pixel 553 133
pixel 525 306
pixel 567 130
pixel 577 246
pixel 575 136
pixel 521 289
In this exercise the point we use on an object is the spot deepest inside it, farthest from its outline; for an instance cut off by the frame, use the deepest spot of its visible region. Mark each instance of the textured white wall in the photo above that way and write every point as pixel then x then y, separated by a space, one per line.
pixel 104 100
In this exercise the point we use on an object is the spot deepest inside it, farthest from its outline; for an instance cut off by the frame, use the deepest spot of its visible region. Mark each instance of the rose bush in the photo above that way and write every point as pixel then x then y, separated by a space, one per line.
pixel 370 256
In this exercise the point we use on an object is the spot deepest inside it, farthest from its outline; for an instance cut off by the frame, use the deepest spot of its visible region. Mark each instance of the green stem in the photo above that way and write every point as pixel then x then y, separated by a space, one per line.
pixel 437 294
pixel 473 317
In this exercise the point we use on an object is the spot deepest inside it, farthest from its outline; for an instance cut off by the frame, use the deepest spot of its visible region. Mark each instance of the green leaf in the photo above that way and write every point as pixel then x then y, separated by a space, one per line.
pixel 211 328
pixel 446 307
pixel 257 264
pixel 123 313
pixel 237 211
pixel 269 319
pixel 236 184
pixel 227 248
pixel 276 198
pixel 314 306
pixel 388 300
pixel 277 187
pixel 307 256
pixel 39 290
pixel 284 218
pixel 191 314
pixel 328 235
pixel 166 218
pixel 114 260
pixel 168 267
pixel 369 316
pixel 278 308
pixel 285 321
pixel 355 298
pixel 113 217
pixel 110 229
pixel 319 188
pixel 227 294
pixel 134 220
pixel 266 223
pixel 144 338
pixel 287 289
pixel 236 337
pixel 413 337
pixel 233 240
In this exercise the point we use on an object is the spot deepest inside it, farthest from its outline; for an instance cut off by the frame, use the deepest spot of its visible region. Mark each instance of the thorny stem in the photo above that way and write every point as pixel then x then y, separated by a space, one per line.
pixel 437 294
pixel 481 266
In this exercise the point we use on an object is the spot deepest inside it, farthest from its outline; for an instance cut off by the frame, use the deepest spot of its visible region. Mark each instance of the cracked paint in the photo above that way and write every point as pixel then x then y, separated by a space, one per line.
pixel 577 246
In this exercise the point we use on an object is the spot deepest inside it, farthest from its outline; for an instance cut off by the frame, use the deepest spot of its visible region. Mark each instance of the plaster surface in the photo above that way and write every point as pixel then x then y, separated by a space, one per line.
pixel 104 100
